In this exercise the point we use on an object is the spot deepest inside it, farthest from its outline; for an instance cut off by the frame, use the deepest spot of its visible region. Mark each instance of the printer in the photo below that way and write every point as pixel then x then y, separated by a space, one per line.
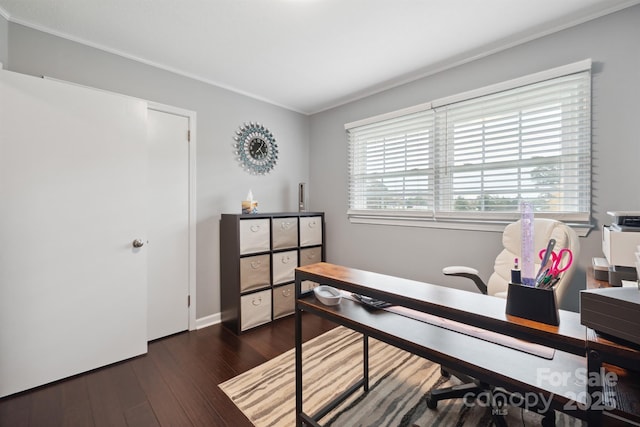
pixel 620 242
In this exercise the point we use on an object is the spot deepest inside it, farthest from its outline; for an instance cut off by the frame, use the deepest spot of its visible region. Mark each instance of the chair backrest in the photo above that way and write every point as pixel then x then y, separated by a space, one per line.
pixel 543 230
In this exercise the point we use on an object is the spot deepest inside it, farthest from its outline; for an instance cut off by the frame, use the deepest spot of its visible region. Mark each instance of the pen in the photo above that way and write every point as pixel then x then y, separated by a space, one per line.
pixel 549 281
pixel 541 276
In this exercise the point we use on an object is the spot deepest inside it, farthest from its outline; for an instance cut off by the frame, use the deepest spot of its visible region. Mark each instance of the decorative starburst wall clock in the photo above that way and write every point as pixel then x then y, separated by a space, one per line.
pixel 255 148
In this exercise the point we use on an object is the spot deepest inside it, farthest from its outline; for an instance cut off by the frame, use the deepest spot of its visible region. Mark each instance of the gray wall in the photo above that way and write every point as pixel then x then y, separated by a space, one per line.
pixel 221 183
pixel 420 253
pixel 4 45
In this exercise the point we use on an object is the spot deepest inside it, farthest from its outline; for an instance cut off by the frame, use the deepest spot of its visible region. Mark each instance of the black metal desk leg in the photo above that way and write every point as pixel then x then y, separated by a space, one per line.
pixel 298 367
pixel 365 356
pixel 594 388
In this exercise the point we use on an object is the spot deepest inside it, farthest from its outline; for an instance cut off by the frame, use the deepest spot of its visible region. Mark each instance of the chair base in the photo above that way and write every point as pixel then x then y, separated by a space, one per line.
pixel 454 392
pixel 472 388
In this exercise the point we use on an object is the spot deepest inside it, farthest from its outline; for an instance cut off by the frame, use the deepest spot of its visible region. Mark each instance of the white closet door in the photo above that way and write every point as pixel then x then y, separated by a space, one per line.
pixel 168 247
pixel 73 171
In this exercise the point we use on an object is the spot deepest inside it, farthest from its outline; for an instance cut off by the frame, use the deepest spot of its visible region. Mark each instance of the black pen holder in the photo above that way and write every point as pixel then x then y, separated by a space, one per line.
pixel 533 303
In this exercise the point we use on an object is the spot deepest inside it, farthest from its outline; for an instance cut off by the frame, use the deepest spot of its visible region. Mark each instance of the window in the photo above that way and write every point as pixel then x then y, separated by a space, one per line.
pixel 392 163
pixel 478 155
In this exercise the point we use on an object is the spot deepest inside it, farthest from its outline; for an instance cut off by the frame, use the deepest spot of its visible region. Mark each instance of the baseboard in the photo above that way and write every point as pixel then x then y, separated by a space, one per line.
pixel 210 320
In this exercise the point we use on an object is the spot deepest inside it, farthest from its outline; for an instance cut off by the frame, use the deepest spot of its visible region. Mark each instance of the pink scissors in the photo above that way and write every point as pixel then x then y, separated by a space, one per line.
pixel 557 260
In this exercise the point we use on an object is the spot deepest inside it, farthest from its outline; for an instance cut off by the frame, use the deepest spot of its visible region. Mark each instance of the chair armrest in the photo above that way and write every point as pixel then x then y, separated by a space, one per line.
pixel 468 272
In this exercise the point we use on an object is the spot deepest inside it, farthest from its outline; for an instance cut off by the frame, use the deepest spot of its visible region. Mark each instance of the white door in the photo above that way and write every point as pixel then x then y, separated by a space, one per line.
pixel 168 236
pixel 73 289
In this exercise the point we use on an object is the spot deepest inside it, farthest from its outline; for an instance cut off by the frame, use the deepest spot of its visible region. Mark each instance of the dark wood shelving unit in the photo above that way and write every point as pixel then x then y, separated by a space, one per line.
pixel 258 257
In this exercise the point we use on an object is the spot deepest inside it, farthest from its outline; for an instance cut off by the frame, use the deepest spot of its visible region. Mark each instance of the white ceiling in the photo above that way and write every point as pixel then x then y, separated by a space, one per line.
pixel 305 55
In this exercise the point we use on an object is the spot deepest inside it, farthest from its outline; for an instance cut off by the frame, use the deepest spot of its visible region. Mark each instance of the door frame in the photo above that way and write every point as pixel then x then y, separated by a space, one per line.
pixel 191 116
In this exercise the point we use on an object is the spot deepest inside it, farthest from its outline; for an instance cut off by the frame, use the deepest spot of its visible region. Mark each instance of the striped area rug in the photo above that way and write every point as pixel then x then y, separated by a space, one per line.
pixel 398 383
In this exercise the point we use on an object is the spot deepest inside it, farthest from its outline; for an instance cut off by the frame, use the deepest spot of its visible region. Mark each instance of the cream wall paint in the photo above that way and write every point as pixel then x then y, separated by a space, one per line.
pixel 421 253
pixel 221 183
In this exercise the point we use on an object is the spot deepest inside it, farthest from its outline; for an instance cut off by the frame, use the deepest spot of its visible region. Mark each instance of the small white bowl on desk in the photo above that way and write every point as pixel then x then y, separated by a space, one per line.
pixel 327 295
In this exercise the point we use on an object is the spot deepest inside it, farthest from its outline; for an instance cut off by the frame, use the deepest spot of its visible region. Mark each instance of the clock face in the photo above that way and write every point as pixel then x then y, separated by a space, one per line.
pixel 255 148
pixel 258 148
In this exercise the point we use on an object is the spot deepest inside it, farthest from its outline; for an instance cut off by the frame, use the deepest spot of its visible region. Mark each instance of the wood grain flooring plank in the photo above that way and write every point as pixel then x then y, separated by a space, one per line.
pixel 15 410
pixel 124 379
pixel 234 350
pixel 198 364
pixel 163 402
pixel 76 403
pixel 196 407
pixel 104 397
pixel 46 407
pixel 142 416
pixel 220 348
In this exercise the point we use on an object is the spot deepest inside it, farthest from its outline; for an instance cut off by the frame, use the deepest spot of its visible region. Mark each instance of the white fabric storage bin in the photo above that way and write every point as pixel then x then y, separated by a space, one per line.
pixel 255 309
pixel 310 255
pixel 310 230
pixel 284 232
pixel 308 285
pixel 284 266
pixel 255 272
pixel 283 300
pixel 254 236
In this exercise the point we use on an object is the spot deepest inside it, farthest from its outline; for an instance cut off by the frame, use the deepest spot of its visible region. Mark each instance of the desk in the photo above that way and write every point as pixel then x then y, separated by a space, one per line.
pixel 514 370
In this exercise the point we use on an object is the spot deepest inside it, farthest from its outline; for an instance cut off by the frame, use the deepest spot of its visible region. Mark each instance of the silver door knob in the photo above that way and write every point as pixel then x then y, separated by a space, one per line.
pixel 138 243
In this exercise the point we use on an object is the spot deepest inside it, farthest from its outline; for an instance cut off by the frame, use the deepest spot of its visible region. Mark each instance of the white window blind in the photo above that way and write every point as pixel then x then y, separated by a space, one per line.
pixel 391 164
pixel 478 158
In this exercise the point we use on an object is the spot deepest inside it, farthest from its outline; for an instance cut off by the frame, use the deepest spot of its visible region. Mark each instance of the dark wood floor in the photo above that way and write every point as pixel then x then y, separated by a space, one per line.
pixel 174 384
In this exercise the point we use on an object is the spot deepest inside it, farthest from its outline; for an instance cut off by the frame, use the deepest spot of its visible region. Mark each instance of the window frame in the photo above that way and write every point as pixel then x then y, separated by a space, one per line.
pixel 490 221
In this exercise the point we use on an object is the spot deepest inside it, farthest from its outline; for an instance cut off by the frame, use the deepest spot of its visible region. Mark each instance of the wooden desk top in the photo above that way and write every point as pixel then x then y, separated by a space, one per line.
pixel 592 283
pixel 475 309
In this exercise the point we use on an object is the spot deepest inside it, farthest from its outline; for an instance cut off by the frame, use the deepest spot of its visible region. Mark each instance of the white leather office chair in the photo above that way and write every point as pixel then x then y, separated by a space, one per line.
pixel 543 230
pixel 497 285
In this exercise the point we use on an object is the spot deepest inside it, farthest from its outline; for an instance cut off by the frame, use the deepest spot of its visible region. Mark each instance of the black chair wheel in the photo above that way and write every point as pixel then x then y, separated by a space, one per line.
pixel 431 402
pixel 444 372
pixel 501 401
